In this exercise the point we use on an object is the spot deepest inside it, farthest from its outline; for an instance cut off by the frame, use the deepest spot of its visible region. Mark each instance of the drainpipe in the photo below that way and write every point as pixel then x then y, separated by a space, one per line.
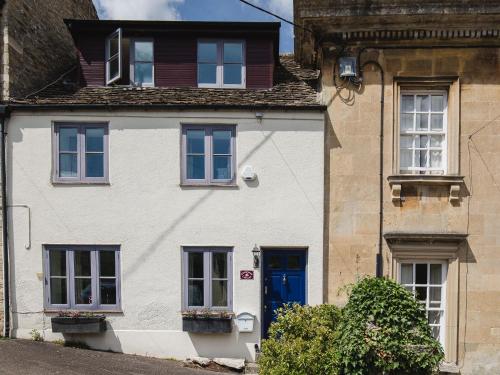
pixel 379 259
pixel 4 114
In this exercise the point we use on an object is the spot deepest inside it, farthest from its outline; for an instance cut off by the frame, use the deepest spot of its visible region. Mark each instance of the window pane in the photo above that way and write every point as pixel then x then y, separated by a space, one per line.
pixel 207 73
pixel 68 165
pixel 94 139
pixel 421 141
pixel 219 293
pixel 422 103
pixel 83 291
pixel 232 74
pixel 207 52
pixel 436 141
pixel 222 167
pixel 195 265
pixel 421 159
pixel 436 159
pixel 421 274
pixel 233 53
pixel 68 140
pixel 195 140
pixel 143 73
pixel 195 167
pixel 437 122
pixel 94 165
pixel 408 104
pixel 222 141
pixel 435 274
pixel 58 292
pixel 219 265
pixel 422 121
pixel 82 263
pixel 434 317
pixel 107 291
pixel 113 46
pixel 435 332
pixel 406 156
pixel 275 262
pixel 114 68
pixel 195 293
pixel 406 122
pixel 293 262
pixel 143 51
pixel 57 263
pixel 437 103
pixel 421 293
pixel 107 263
pixel 407 274
pixel 435 297
pixel 406 141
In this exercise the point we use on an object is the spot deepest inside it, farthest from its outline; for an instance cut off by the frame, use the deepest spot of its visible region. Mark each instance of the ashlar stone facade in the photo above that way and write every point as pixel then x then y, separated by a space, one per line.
pixel 450 218
pixel 36 48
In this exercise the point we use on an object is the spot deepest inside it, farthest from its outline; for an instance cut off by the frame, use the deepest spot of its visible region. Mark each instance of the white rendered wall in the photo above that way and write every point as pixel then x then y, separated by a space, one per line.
pixel 148 213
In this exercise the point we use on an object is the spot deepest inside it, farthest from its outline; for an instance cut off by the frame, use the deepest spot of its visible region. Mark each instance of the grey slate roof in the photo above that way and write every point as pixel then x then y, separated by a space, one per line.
pixel 294 89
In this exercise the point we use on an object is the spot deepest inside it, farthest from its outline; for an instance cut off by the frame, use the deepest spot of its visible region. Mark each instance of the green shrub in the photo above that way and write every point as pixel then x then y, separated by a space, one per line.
pixel 301 342
pixel 385 331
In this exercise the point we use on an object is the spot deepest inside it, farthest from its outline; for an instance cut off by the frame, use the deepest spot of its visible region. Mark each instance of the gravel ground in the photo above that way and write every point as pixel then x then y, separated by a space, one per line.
pixel 22 357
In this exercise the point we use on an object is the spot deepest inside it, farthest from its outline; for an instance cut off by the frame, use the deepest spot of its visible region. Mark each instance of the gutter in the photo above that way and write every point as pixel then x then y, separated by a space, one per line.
pixel 153 107
pixel 4 114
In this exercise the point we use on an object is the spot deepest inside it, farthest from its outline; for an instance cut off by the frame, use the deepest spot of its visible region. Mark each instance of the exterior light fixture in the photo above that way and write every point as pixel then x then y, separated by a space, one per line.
pixel 256 256
pixel 348 66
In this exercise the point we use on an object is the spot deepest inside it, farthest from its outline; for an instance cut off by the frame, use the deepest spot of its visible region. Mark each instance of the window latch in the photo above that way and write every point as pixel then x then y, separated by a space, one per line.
pixel 284 280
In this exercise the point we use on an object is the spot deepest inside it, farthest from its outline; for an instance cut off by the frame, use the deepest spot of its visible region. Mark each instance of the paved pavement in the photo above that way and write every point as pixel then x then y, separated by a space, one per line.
pixel 22 357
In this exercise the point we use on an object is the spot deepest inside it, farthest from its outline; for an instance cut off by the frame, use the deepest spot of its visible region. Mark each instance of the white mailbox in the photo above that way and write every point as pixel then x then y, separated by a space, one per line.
pixel 245 322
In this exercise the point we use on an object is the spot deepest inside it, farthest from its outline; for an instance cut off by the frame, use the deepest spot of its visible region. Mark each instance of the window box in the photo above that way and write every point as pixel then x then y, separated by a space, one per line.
pixel 79 324
pixel 196 322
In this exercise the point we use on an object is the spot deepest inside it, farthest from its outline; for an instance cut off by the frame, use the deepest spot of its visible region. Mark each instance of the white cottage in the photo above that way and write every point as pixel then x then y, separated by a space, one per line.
pixel 172 183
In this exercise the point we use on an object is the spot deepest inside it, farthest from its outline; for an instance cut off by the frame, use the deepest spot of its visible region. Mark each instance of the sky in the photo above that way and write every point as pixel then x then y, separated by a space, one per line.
pixel 200 10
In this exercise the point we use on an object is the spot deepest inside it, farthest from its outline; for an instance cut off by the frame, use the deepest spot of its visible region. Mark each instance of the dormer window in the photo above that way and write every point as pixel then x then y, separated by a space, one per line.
pixel 221 64
pixel 141 62
pixel 114 57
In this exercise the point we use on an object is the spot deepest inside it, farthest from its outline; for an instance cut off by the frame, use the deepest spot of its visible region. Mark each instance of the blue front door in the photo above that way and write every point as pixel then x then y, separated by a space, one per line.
pixel 284 275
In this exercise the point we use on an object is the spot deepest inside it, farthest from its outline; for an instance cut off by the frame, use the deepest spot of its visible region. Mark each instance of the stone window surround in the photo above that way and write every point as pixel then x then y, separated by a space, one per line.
pixel 451 84
pixel 433 247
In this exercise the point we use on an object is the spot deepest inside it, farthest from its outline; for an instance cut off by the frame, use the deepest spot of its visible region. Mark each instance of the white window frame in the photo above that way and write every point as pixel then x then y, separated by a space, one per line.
pixel 427 170
pixel 220 64
pixel 413 285
pixel 114 34
pixel 132 61
pixel 207 277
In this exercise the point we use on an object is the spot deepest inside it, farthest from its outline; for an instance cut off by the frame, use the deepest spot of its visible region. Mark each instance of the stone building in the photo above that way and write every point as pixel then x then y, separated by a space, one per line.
pixel 413 191
pixel 36 48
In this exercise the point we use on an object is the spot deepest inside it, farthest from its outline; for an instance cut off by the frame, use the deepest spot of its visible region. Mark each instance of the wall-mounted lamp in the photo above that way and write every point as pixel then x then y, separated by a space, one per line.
pixel 256 256
pixel 348 66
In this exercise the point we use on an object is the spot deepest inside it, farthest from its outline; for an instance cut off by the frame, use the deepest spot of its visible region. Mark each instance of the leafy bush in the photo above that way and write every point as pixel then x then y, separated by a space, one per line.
pixel 385 331
pixel 301 342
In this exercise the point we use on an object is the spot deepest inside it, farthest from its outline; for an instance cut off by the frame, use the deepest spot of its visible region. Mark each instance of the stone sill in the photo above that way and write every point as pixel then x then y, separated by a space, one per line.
pixel 454 182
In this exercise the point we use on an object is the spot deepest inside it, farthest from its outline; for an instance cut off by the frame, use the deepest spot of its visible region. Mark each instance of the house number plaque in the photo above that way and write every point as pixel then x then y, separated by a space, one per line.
pixel 246 275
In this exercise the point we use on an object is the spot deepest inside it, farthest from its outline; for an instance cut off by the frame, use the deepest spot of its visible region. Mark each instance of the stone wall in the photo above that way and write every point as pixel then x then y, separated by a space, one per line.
pixel 353 154
pixel 40 46
pixel 352 165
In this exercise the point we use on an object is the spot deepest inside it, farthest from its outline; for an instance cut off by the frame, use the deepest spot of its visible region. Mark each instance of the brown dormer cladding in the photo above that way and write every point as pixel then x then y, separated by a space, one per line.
pixel 175 49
